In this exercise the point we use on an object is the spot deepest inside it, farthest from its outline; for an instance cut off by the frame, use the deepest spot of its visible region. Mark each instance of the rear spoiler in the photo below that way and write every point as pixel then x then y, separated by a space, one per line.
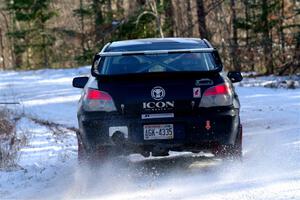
pixel 125 53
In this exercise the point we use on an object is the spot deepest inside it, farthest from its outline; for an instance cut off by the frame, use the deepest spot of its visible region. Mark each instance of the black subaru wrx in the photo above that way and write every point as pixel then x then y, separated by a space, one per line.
pixel 152 96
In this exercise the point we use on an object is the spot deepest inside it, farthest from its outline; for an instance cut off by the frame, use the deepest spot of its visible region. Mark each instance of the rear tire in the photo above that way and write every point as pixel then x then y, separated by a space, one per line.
pixel 81 154
pixel 234 151
pixel 238 146
pixel 92 155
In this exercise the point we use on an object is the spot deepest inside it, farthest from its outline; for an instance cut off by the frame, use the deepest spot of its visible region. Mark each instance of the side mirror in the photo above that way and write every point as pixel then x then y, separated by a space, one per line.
pixel 235 76
pixel 80 82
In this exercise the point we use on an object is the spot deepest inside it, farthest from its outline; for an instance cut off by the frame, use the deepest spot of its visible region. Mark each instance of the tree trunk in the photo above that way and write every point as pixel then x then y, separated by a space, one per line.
pixel 267 40
pixel 234 41
pixel 9 19
pixel 153 6
pixel 2 40
pixel 201 19
pixel 44 46
pixel 2 57
pixel 82 27
pixel 250 55
pixel 109 10
pixel 190 19
pixel 282 36
pixel 119 6
pixel 98 21
pixel 247 20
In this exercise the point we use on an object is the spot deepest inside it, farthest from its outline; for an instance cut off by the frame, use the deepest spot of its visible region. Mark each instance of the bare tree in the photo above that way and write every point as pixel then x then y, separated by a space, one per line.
pixel 82 26
pixel 201 19
pixel 169 17
pixel 154 12
pixel 281 31
pixel 2 59
pixel 267 40
pixel 190 18
pixel 98 21
pixel 2 38
pixel 234 41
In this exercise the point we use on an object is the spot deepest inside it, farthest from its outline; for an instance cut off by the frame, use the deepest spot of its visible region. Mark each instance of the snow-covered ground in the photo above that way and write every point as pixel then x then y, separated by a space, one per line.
pixel 47 94
pixel 270 170
pixel 272 81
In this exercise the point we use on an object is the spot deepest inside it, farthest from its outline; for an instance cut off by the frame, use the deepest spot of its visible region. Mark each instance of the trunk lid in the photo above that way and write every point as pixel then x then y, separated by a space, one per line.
pixel 139 94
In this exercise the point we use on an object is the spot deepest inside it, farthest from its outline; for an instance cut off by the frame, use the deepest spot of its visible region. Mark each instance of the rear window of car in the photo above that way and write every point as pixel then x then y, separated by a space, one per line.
pixel 173 62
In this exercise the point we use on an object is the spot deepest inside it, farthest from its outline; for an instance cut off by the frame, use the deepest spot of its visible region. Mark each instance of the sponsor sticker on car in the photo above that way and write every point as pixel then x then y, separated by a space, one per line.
pixel 196 92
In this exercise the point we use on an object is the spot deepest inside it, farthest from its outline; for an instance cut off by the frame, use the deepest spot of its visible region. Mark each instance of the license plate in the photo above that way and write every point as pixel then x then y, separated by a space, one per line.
pixel 158 132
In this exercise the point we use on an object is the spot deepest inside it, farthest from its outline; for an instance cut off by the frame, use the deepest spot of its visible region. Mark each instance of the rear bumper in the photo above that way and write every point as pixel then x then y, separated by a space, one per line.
pixel 190 131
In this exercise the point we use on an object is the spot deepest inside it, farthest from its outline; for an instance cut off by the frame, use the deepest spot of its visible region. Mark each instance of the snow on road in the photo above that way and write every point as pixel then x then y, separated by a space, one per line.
pixel 270 170
pixel 47 94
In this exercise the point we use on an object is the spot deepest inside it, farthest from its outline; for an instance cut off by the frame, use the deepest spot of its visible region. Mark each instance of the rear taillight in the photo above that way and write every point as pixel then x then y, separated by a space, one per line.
pixel 219 95
pixel 93 94
pixel 96 100
pixel 217 90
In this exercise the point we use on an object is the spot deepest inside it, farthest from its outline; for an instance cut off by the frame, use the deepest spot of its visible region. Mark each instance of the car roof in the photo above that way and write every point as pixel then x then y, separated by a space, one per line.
pixel 157 44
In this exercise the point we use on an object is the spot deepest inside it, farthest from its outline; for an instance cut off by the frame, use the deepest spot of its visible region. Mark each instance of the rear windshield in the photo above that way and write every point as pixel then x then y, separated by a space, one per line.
pixel 175 62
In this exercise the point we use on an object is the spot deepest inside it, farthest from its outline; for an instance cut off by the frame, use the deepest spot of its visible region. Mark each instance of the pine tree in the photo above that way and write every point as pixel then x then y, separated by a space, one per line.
pixel 261 21
pixel 100 15
pixel 82 13
pixel 30 32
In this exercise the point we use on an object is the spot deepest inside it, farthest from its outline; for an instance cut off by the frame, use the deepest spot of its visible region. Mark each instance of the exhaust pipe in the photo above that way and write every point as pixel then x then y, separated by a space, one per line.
pixel 118 138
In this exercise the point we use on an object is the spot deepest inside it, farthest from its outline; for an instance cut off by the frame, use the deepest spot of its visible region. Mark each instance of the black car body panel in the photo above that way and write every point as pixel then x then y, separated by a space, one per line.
pixel 138 103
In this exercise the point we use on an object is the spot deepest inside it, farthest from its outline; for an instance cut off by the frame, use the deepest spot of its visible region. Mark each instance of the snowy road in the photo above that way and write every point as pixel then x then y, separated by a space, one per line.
pixel 270 170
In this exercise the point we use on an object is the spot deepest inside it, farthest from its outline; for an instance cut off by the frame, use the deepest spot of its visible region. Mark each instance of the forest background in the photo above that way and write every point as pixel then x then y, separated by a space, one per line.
pixel 251 35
